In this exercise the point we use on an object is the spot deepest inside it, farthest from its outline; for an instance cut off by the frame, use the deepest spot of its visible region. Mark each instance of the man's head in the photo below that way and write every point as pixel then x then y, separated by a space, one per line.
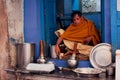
pixel 76 16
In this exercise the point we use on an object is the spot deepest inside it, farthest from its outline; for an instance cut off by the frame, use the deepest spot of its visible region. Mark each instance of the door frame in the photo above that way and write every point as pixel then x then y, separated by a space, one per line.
pixel 106 27
pixel 114 23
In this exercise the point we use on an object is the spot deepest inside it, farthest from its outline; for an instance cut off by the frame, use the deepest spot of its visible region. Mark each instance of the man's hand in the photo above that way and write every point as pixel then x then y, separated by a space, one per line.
pixel 87 40
pixel 57 49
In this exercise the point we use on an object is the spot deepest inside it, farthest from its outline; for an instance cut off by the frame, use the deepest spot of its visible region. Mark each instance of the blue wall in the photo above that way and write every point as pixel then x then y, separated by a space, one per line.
pixel 32 29
pixel 96 18
pixel 35 24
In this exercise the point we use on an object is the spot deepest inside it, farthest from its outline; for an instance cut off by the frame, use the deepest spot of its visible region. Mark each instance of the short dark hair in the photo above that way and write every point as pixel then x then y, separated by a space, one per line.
pixel 76 12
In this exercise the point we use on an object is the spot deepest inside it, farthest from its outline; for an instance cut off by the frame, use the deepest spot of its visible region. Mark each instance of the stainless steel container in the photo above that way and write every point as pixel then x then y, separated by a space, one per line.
pixel 25 54
pixel 72 62
pixel 52 50
pixel 110 71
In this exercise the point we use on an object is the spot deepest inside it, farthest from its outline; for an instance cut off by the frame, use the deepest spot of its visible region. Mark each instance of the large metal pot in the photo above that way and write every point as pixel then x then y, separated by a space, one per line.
pixel 25 54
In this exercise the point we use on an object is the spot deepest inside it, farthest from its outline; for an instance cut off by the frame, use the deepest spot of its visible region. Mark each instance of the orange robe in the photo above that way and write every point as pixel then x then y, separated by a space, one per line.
pixel 78 32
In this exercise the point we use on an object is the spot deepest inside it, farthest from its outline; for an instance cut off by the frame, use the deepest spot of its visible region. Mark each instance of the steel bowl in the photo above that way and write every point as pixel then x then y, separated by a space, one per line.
pixel 72 63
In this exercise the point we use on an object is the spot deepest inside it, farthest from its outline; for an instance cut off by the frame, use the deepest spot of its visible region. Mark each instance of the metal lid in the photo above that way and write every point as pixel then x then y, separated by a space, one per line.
pixel 101 55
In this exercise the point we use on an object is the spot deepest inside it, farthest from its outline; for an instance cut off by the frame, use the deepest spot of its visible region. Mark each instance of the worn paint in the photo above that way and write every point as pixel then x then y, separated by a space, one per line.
pixel 11 28
pixel 15 25
pixel 4 47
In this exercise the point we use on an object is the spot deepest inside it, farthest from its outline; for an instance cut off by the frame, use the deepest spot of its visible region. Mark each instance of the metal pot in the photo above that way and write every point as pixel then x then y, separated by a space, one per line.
pixel 72 62
pixel 110 70
pixel 25 54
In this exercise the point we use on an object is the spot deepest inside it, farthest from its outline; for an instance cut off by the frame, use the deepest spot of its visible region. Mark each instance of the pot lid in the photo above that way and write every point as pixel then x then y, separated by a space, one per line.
pixel 101 55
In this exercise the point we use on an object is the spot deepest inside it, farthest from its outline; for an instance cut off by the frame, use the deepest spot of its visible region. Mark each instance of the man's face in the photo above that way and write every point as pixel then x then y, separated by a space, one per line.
pixel 76 19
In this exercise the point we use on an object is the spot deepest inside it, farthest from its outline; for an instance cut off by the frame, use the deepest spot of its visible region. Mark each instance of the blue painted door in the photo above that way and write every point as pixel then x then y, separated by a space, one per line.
pixel 50 21
pixel 115 25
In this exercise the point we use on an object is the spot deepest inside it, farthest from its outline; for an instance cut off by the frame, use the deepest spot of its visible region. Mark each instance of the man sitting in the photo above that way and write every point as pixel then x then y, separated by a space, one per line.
pixel 80 33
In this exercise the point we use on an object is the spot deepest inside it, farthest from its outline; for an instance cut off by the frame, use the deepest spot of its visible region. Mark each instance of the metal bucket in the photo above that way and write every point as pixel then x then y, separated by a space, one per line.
pixel 25 54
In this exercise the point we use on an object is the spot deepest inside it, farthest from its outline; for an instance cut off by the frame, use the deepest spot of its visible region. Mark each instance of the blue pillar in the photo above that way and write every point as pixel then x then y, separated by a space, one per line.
pixel 106 27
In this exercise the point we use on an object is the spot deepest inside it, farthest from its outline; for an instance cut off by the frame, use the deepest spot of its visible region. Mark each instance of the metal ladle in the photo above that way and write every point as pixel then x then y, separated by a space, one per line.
pixel 72 62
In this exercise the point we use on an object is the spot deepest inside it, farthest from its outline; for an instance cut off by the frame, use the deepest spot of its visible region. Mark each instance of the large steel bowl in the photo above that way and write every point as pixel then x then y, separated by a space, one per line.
pixel 72 63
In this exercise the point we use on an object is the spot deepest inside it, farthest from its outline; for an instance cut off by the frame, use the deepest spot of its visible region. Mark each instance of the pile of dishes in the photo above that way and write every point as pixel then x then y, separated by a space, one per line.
pixel 100 58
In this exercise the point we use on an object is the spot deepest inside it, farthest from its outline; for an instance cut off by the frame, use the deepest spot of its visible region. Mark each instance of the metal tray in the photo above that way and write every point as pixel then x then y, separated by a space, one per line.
pixel 101 56
pixel 87 72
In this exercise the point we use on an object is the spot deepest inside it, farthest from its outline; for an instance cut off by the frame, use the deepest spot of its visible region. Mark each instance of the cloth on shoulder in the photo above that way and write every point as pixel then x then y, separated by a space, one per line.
pixel 78 32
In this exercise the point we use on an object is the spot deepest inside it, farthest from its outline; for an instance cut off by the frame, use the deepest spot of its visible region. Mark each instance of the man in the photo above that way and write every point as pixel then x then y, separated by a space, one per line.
pixel 81 31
